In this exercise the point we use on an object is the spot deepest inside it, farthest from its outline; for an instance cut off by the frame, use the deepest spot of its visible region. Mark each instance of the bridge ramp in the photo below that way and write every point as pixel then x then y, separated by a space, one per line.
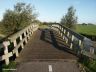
pixel 46 48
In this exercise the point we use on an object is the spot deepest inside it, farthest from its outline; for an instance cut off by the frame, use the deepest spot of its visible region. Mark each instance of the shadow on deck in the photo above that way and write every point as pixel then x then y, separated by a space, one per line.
pixel 46 48
pixel 53 38
pixel 46 45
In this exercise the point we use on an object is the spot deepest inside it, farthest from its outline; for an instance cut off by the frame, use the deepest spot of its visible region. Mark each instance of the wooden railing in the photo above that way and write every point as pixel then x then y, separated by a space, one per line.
pixel 15 41
pixel 78 43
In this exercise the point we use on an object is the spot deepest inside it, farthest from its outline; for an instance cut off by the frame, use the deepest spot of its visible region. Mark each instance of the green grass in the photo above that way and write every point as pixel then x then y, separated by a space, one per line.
pixel 12 65
pixel 43 26
pixel 90 65
pixel 91 31
pixel 86 29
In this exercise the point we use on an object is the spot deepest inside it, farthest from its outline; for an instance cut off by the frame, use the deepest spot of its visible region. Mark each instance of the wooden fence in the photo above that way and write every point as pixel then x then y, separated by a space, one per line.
pixel 78 43
pixel 16 41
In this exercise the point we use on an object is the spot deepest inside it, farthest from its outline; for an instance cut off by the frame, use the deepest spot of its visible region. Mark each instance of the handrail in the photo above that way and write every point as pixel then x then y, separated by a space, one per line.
pixel 78 43
pixel 17 40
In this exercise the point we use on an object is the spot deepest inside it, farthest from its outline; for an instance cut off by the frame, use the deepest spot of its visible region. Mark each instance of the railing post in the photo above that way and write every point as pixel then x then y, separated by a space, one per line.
pixel 36 27
pixel 59 28
pixel 28 33
pixel 25 37
pixel 68 34
pixel 80 46
pixel 91 50
pixel 61 32
pixel 15 44
pixel 21 40
pixel 64 33
pixel 67 37
pixel 31 30
pixel 79 42
pixel 72 38
pixel 6 44
pixel 33 27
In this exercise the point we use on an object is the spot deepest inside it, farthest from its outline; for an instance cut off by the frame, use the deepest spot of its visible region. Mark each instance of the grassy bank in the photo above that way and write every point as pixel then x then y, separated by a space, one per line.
pixel 87 29
pixel 90 32
pixel 89 64
pixel 12 65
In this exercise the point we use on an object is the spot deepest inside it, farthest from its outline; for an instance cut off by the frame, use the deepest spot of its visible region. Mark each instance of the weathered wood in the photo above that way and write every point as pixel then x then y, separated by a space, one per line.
pixel 6 54
pixel 39 48
pixel 21 40
pixel 72 38
pixel 28 31
pixel 80 40
pixel 16 50
pixel 25 36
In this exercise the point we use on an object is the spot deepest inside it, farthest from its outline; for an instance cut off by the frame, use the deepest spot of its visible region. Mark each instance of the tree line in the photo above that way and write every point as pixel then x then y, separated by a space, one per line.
pixel 24 14
pixel 21 16
pixel 70 19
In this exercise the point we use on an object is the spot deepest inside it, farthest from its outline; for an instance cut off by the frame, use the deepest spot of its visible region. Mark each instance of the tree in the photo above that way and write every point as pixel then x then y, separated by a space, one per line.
pixel 69 19
pixel 84 24
pixel 20 17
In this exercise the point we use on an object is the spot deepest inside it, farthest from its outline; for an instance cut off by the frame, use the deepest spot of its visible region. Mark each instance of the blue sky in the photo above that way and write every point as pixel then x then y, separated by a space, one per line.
pixel 53 10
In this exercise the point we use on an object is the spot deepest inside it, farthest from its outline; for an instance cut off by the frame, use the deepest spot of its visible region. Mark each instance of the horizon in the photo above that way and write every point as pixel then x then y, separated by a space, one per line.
pixel 53 10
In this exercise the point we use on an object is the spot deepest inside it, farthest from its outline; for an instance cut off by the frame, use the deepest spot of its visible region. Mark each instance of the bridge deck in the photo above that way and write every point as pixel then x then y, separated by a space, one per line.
pixel 45 48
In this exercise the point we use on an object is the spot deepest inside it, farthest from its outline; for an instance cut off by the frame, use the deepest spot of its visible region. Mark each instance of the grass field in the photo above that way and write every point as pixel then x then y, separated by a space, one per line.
pixel 43 26
pixel 86 29
pixel 83 29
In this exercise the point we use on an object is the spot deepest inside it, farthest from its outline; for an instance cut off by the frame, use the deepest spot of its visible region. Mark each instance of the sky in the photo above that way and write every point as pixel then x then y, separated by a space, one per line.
pixel 53 10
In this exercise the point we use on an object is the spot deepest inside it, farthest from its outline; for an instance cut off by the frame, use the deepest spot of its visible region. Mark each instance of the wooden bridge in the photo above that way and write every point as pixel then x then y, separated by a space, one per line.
pixel 52 49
